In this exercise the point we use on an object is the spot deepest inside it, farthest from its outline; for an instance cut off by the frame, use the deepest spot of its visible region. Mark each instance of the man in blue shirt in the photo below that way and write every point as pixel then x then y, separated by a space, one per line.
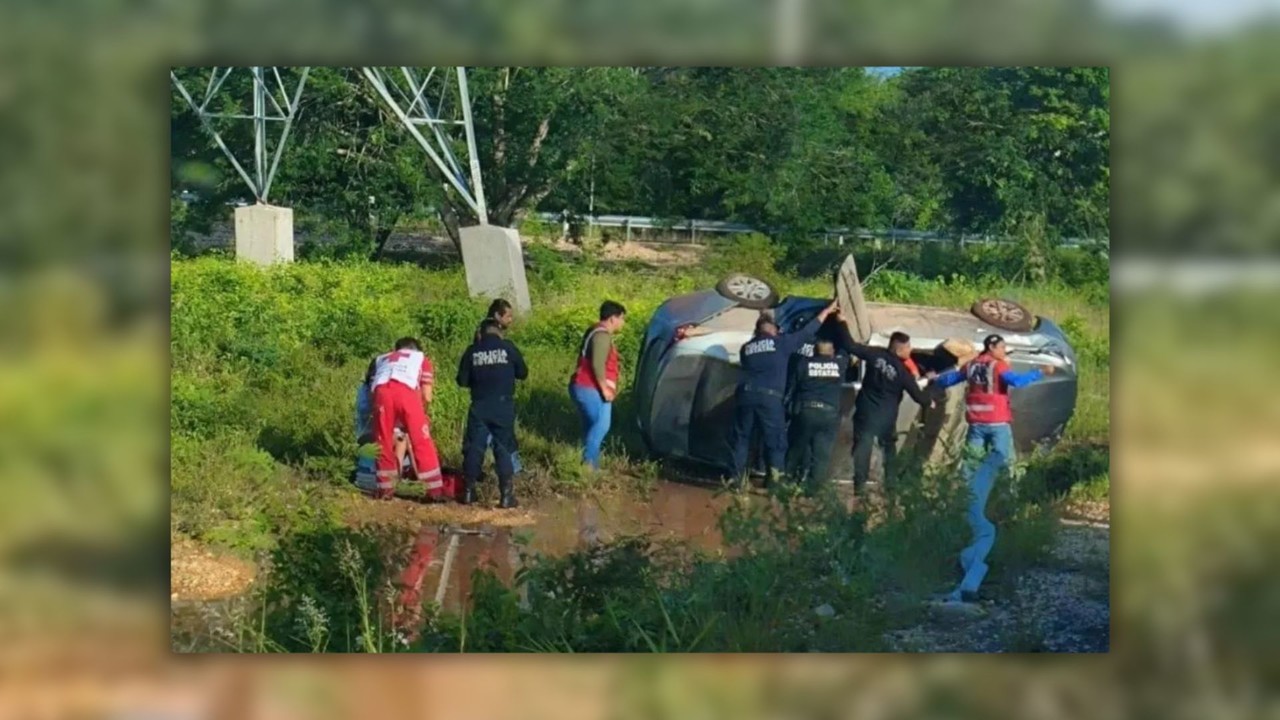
pixel 990 447
pixel 761 387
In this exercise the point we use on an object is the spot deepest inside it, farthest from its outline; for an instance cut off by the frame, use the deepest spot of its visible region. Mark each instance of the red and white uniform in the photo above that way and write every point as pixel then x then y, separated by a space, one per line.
pixel 987 395
pixel 585 376
pixel 398 379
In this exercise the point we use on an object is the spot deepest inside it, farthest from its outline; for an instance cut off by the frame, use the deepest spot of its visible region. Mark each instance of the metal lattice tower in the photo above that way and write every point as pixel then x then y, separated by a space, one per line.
pixel 439 102
pixel 271 103
pixel 432 104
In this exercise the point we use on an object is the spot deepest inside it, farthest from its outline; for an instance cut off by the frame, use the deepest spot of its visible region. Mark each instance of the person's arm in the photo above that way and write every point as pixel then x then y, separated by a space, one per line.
pixel 599 349
pixel 464 369
pixel 948 378
pixel 517 362
pixel 844 339
pixel 912 386
pixel 1022 379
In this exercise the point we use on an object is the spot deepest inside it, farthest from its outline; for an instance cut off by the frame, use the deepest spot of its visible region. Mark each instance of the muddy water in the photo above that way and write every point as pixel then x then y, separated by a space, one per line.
pixel 672 512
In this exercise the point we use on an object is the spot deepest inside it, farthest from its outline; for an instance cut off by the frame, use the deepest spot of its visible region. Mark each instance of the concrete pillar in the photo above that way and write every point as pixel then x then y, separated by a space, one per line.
pixel 495 264
pixel 264 234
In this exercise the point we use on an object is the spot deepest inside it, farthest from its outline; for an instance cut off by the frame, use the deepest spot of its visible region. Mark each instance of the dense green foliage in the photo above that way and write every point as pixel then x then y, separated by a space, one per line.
pixel 989 151
pixel 266 363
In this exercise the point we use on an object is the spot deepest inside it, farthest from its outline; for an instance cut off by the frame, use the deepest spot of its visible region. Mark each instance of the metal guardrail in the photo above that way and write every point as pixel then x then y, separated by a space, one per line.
pixel 714 227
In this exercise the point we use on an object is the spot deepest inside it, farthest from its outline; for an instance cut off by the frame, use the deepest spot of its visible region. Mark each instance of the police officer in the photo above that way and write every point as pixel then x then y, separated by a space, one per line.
pixel 834 330
pixel 819 381
pixel 761 388
pixel 490 369
pixel 875 414
pixel 502 311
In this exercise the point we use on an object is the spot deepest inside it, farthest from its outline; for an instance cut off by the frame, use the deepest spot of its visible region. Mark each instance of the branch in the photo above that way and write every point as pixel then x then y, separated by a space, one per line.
pixel 534 150
pixel 875 269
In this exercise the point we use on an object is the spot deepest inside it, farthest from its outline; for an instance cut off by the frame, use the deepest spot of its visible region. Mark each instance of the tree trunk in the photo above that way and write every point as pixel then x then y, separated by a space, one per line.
pixel 381 235
pixel 449 216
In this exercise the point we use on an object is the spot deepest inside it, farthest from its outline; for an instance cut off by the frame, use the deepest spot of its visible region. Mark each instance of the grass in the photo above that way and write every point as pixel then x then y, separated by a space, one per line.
pixel 265 364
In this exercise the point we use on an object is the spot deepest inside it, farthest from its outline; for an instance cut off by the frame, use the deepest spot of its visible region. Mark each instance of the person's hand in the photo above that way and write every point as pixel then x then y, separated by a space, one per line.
pixel 608 395
pixel 1047 369
pixel 929 374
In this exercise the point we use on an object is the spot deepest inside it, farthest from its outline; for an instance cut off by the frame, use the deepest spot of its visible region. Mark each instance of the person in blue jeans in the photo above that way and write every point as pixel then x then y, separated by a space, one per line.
pixel 990 448
pixel 594 385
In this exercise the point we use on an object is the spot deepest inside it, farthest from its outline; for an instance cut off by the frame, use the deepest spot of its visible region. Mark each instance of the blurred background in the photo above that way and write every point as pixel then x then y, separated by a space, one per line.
pixel 84 97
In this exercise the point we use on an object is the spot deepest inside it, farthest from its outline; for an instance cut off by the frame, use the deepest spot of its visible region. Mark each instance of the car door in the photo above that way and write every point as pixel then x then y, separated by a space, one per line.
pixel 850 300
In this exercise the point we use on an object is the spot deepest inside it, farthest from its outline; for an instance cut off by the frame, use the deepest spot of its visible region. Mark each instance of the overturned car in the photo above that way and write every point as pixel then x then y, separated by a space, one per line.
pixel 685 386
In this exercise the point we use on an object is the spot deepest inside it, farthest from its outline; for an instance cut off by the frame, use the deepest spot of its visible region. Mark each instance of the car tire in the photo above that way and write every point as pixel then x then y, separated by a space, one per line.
pixel 749 292
pixel 1004 314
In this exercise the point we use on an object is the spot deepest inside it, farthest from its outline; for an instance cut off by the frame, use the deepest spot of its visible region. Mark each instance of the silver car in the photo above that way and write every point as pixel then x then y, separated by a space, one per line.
pixel 685 385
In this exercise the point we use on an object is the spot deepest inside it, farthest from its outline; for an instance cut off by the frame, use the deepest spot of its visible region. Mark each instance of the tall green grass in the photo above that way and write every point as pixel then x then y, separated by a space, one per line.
pixel 265 364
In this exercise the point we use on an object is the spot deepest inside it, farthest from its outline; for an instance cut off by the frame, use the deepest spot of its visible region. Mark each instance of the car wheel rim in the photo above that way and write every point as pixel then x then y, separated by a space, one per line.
pixel 747 288
pixel 1003 312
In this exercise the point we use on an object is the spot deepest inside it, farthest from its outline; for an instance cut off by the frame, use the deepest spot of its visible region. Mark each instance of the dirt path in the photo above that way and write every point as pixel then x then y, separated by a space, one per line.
pixel 1062 607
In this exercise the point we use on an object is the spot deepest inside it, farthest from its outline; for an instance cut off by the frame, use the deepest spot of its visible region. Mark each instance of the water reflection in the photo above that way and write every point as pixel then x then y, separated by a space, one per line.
pixel 672 512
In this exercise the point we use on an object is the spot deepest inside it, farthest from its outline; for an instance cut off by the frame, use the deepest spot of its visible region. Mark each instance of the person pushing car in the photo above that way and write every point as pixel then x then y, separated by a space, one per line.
pixel 990 442
pixel 815 421
pixel 875 413
pixel 761 388
pixel 490 369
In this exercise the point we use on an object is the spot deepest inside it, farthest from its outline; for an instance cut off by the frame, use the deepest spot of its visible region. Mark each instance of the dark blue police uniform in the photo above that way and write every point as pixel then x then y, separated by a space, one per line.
pixel 490 369
pixel 759 399
pixel 815 420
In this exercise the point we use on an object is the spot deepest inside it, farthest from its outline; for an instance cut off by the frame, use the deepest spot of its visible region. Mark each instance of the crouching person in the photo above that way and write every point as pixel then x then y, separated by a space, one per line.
pixel 402 390
pixel 490 369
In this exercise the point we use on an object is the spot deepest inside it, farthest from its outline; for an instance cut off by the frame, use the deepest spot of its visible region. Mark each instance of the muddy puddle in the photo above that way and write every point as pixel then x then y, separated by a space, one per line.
pixel 443 558
pixel 448 542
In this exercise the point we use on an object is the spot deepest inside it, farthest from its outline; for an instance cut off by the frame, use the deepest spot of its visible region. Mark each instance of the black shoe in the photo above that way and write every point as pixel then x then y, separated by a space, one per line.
pixel 508 494
pixel 469 493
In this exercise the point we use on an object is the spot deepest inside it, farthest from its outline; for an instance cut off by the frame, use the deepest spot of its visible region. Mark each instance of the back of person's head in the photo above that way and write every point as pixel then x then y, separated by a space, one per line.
pixel 765 324
pixel 610 309
pixel 491 327
pixel 498 308
pixel 991 342
pixel 825 348
pixel 408 343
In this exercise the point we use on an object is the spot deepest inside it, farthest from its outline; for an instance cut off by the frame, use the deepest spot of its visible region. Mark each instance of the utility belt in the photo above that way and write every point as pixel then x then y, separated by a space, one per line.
pixel 817 405
pixel 762 391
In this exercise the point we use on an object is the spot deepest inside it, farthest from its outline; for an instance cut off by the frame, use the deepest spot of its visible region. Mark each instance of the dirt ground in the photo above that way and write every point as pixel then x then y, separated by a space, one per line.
pixel 1062 607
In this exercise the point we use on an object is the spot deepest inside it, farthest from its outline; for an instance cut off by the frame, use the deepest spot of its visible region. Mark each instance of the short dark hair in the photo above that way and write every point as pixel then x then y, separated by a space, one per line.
pixel 490 326
pixel 898 338
pixel 408 343
pixel 611 309
pixel 498 307
pixel 991 341
pixel 765 319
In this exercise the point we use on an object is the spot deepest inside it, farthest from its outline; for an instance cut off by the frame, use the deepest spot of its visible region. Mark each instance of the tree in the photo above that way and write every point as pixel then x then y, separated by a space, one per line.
pixel 538 128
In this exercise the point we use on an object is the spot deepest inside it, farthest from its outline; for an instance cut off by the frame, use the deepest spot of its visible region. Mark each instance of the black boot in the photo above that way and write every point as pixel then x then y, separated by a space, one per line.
pixel 508 500
pixel 469 492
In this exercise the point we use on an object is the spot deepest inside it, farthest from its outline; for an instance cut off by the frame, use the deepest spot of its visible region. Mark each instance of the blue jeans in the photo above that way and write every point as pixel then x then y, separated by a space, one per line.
pixel 995 444
pixel 596 417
